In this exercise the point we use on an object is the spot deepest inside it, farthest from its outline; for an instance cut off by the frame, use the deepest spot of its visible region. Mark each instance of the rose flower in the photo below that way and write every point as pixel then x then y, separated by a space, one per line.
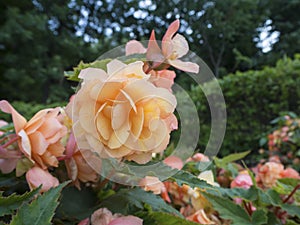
pixel 120 114
pixel 39 138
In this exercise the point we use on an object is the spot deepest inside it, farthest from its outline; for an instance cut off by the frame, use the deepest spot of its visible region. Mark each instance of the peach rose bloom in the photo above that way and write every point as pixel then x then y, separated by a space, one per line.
pixel 39 137
pixel 37 176
pixel 269 173
pixel 150 183
pixel 120 114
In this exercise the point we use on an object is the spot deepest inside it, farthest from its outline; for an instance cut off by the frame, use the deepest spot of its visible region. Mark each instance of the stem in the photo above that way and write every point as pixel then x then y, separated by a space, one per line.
pixel 291 194
pixel 10 142
pixel 248 209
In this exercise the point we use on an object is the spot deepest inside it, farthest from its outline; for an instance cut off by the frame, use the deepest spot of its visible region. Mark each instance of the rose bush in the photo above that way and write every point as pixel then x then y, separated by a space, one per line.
pixel 124 111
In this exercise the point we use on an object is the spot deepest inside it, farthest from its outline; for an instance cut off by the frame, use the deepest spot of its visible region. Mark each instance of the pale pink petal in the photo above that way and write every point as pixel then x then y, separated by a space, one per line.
pixel 3 123
pixel 127 220
pixel 180 45
pixel 86 118
pixel 8 165
pixel 24 144
pixel 172 29
pixel 93 160
pixel 84 222
pixel 167 46
pixel 101 217
pixel 71 146
pixel 137 120
pixel 58 135
pixel 37 120
pixel 92 74
pixel 141 158
pixel 132 70
pixel 174 162
pixel 184 66
pixel 134 47
pixel 120 114
pixel 172 122
pixel 104 126
pixel 290 173
pixel 165 79
pixel 50 127
pixel 37 176
pixel 33 125
pixel 38 142
pixel 18 120
pixel 119 137
pixel 114 67
pixel 72 169
pixel 154 53
pixel 141 89
pixel 242 181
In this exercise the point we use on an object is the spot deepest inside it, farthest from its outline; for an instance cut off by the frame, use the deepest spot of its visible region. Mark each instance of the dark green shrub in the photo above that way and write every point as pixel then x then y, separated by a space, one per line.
pixel 253 99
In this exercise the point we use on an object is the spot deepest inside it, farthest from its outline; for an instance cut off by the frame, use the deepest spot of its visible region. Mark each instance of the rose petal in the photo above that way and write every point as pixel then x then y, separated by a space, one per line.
pixel 154 53
pixel 24 144
pixel 137 120
pixel 134 47
pixel 92 74
pixel 180 45
pixel 18 120
pixel 127 220
pixel 184 66
pixel 37 176
pixel 38 143
pixel 174 162
pixel 140 158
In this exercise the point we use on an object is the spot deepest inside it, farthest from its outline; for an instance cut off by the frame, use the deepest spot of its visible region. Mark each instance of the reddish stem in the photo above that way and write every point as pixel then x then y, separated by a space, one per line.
pixel 11 141
pixel 248 209
pixel 292 193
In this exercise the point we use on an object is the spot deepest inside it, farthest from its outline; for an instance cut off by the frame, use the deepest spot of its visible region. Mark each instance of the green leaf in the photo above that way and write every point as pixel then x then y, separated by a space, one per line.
pixel 259 217
pixel 292 210
pixel 291 222
pixel 229 210
pixel 133 200
pixel 161 218
pixel 73 75
pixel 222 163
pixel 75 204
pixel 285 185
pixel 272 219
pixel 39 211
pixel 183 177
pixel 13 202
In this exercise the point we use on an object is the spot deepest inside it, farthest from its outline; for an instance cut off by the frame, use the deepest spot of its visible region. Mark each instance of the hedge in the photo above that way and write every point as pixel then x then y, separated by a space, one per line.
pixel 253 99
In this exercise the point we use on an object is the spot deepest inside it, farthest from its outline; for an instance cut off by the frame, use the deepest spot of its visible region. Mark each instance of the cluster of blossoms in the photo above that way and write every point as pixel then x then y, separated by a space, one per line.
pixel 195 207
pixel 124 112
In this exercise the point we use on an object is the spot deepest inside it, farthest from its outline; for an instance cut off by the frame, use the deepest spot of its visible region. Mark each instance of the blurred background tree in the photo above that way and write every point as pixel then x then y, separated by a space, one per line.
pixel 39 39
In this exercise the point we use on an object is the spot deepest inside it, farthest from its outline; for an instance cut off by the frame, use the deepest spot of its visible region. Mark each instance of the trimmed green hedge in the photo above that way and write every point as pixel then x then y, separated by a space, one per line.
pixel 253 99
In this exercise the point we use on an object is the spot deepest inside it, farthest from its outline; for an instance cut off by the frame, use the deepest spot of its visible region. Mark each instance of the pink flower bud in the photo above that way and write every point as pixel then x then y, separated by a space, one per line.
pixel 242 181
pixel 37 176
